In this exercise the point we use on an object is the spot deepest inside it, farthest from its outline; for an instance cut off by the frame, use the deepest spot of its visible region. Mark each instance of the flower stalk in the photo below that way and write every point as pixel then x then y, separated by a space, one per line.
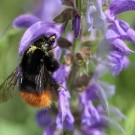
pixel 79 4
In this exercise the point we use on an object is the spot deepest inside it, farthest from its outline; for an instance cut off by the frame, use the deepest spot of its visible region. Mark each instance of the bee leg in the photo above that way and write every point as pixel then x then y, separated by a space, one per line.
pixel 60 87
pixel 51 62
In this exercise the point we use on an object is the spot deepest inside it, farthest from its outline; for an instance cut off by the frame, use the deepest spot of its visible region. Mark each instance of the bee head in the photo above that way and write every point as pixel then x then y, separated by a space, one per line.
pixel 50 42
pixel 41 41
pixel 46 43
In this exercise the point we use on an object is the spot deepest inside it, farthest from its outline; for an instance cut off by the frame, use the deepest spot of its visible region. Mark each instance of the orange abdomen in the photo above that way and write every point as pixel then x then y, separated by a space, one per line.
pixel 37 100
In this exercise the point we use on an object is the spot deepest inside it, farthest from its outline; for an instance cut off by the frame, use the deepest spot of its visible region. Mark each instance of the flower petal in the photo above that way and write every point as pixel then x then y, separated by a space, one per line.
pixel 116 62
pixel 50 130
pixel 61 74
pixel 119 6
pixel 109 89
pixel 95 16
pixel 43 118
pixel 131 34
pixel 58 52
pixel 25 21
pixel 121 46
pixel 95 91
pixel 64 118
pixel 125 62
pixel 76 25
pixel 90 114
pixel 49 9
pixel 116 114
pixel 36 30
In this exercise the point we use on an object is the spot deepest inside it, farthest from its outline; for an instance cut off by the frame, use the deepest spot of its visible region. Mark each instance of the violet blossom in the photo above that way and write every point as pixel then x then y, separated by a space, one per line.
pixel 94 15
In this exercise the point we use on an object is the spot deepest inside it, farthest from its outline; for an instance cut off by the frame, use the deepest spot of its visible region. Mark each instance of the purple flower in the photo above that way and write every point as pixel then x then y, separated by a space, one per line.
pixel 49 9
pixel 77 132
pixel 25 21
pixel 64 118
pixel 61 74
pixel 70 37
pixel 93 119
pixel 115 116
pixel 116 62
pixel 94 15
pixel 45 12
pixel 39 26
pixel 90 115
pixel 88 131
pixel 108 89
pixel 96 92
pixel 119 6
pixel 58 52
pixel 43 118
pixel 50 130
pixel 36 31
pixel 114 56
pixel 97 127
pixel 119 29
pixel 76 25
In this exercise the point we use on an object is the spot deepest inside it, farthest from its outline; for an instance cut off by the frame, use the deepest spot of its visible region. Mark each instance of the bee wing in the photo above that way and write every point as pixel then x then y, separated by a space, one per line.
pixel 42 79
pixel 45 81
pixel 7 88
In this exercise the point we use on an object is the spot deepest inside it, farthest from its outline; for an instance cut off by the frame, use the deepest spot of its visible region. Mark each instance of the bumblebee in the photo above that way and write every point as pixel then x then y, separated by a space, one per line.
pixel 33 77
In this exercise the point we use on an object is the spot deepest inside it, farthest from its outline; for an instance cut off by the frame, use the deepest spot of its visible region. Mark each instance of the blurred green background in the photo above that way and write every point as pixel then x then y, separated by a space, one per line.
pixel 17 118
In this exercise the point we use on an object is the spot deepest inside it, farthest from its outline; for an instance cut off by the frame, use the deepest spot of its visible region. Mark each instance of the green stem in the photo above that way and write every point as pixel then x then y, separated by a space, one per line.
pixel 79 4
pixel 74 66
pixel 72 75
pixel 76 46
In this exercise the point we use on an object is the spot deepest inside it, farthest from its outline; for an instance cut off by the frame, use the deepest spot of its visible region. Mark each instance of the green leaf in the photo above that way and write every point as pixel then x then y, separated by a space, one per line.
pixel 68 3
pixel 3 42
pixel 65 16
pixel 130 123
pixel 64 43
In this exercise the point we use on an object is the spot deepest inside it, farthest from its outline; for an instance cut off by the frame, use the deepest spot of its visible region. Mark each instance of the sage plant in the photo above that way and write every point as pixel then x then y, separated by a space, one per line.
pixel 90 43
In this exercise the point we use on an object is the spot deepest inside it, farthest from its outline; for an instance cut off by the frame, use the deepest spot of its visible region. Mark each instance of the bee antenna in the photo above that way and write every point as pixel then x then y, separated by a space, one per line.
pixel 54 47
